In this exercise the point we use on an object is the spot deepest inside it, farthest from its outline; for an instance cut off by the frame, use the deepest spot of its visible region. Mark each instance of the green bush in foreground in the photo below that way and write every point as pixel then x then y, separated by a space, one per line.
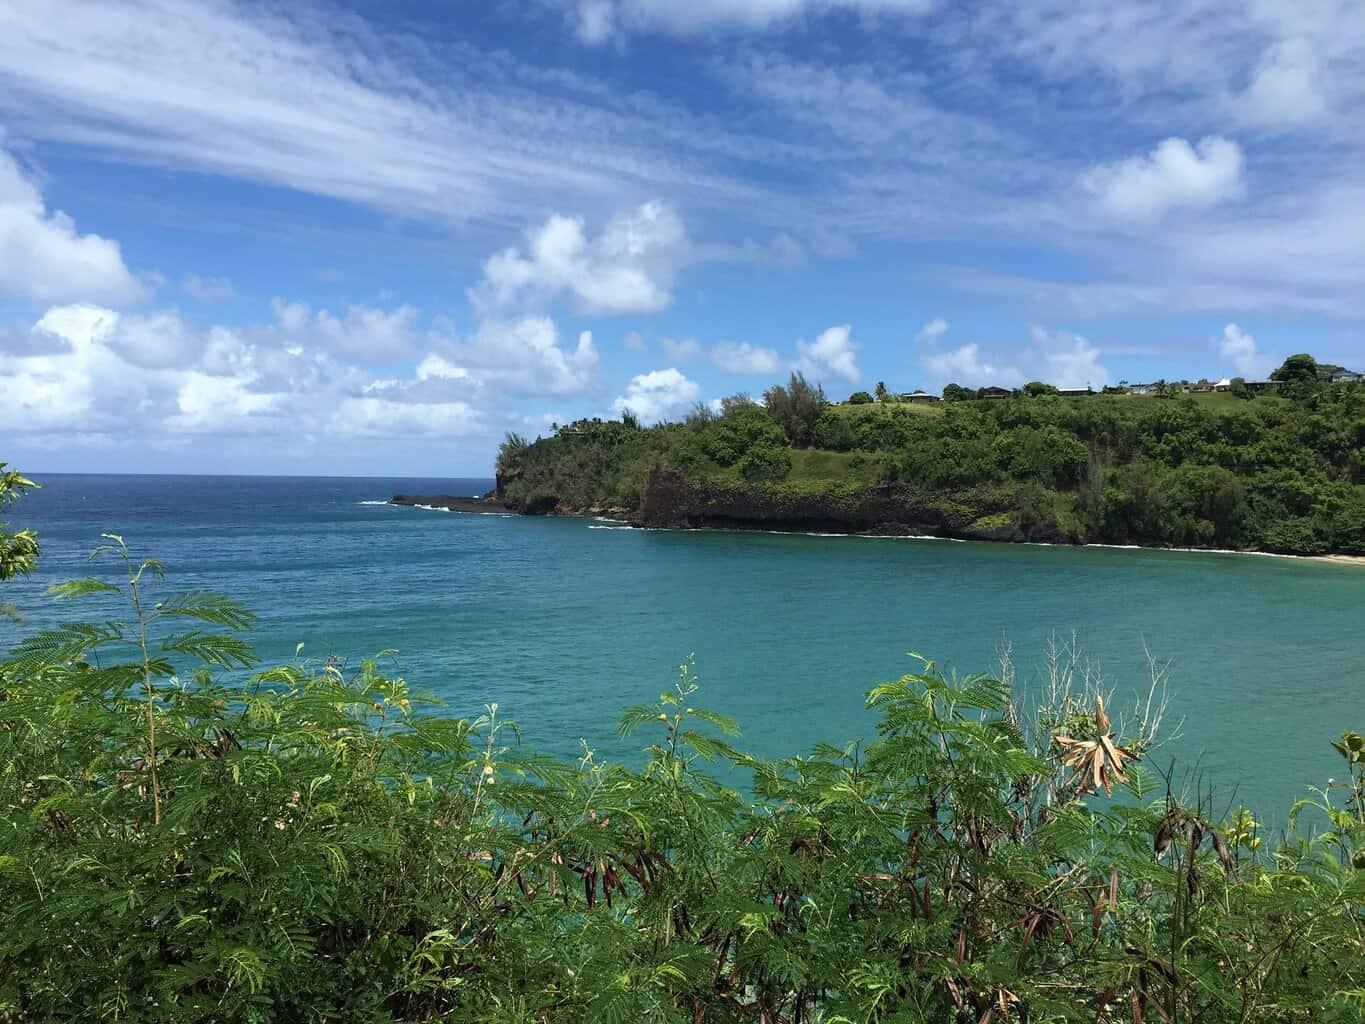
pixel 318 845
pixel 18 550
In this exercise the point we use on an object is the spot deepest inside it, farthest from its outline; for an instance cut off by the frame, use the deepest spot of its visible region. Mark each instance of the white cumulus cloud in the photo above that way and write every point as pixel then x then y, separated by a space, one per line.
pixel 932 331
pixel 207 403
pixel 438 367
pixel 833 352
pixel 966 365
pixel 1067 360
pixel 95 372
pixel 98 381
pixel 42 255
pixel 525 356
pixel 1241 352
pixel 157 340
pixel 628 268
pixel 744 358
pixel 369 416
pixel 1174 175
pixel 358 331
pixel 89 371
pixel 1059 358
pixel 655 395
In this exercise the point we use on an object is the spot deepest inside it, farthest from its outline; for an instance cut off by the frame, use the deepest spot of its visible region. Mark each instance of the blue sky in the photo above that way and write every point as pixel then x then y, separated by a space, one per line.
pixel 370 238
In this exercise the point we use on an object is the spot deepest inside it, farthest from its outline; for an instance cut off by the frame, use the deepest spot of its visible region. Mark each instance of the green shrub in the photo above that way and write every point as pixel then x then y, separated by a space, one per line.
pixel 957 393
pixel 18 549
pixel 765 464
pixel 727 440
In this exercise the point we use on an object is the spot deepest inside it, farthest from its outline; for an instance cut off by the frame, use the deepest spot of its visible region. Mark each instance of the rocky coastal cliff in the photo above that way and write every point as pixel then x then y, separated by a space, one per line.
pixel 669 500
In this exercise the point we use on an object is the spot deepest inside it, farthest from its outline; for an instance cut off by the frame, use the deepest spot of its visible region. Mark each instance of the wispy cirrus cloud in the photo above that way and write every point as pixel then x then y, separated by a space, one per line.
pixel 313 100
pixel 448 132
pixel 204 288
pixel 598 21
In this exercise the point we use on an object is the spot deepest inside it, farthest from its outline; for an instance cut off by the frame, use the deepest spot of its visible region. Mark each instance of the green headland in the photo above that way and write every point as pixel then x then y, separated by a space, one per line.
pixel 1276 466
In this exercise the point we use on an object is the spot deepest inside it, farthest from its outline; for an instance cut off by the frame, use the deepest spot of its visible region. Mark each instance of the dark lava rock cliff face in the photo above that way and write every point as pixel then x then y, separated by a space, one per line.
pixel 669 500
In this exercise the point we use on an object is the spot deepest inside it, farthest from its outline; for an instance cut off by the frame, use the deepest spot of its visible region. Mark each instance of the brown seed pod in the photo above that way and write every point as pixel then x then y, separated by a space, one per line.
pixel 1162 842
pixel 1221 848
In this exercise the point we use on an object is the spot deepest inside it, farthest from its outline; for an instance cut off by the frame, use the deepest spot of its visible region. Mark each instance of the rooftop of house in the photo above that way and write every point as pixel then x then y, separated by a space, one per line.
pixel 1337 375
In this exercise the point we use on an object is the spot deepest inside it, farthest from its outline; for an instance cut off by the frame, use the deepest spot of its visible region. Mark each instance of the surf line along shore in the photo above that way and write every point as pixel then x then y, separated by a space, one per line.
pixel 490 504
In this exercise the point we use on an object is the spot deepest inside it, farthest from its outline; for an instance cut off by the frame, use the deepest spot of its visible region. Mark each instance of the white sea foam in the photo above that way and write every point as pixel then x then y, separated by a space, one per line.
pixel 610 523
pixel 1187 551
pixel 373 503
pixel 910 536
pixel 815 533
pixel 853 536
pixel 604 523
pixel 466 512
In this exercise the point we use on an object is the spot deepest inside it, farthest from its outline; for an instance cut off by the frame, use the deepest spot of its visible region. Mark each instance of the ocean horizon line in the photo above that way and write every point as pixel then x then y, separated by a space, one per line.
pixel 38 474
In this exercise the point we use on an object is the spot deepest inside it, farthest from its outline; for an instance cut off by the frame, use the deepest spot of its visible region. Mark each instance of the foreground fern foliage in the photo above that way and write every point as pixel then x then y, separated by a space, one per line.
pixel 319 844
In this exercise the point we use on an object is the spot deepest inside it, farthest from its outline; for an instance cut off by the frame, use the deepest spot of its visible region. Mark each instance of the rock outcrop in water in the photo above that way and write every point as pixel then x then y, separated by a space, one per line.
pixel 452 503
pixel 490 502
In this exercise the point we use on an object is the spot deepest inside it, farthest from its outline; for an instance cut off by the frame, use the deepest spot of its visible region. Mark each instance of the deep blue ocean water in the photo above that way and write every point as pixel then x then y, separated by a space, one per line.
pixel 564 621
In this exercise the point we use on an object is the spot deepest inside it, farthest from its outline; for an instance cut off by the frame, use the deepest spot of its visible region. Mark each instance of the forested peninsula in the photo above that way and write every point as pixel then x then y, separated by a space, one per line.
pixel 1281 469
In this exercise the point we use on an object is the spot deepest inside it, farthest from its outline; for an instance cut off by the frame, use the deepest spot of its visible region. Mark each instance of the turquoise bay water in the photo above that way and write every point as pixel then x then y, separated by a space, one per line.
pixel 564 622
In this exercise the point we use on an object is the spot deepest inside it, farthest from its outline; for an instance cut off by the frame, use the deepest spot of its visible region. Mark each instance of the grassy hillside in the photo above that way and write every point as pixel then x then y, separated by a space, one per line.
pixel 1277 472
pixel 897 408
